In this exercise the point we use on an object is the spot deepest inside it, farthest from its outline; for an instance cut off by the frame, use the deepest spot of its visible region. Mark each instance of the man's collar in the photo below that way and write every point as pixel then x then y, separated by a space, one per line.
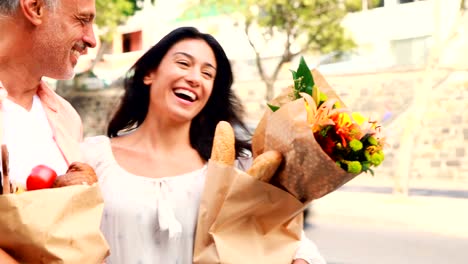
pixel 3 93
pixel 46 95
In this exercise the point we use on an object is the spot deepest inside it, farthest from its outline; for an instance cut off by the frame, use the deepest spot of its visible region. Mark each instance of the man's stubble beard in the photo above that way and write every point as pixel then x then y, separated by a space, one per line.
pixel 53 53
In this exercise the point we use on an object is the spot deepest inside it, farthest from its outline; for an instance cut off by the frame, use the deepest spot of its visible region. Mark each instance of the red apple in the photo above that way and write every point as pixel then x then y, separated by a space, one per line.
pixel 41 177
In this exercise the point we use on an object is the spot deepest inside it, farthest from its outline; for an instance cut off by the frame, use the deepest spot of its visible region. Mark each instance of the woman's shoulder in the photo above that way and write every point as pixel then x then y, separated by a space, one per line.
pixel 96 148
pixel 101 139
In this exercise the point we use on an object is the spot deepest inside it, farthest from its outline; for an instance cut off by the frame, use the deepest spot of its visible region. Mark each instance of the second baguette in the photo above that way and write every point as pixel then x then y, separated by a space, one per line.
pixel 265 165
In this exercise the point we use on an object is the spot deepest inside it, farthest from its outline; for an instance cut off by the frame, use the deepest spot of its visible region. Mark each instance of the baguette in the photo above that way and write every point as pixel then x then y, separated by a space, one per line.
pixel 5 170
pixel 223 149
pixel 265 165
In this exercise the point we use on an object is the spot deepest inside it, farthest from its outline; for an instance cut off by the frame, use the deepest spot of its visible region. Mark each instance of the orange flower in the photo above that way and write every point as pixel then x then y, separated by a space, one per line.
pixel 345 128
pixel 319 118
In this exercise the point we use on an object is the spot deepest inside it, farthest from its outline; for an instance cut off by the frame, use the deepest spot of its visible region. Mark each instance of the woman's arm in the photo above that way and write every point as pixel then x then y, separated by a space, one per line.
pixel 308 253
pixel 6 259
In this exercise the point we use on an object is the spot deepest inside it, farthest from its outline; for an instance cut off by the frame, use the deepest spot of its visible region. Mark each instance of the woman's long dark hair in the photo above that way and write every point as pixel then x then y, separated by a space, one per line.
pixel 223 104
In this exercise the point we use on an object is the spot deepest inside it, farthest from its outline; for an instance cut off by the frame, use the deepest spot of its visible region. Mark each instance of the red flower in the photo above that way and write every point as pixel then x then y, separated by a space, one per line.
pixel 327 143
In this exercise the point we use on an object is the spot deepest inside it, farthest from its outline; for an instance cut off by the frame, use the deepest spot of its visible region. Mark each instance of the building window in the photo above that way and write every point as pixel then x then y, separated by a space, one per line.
pixel 132 41
pixel 412 52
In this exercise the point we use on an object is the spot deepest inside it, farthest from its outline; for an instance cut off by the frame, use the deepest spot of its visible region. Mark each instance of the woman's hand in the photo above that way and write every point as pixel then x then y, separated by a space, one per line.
pixel 299 261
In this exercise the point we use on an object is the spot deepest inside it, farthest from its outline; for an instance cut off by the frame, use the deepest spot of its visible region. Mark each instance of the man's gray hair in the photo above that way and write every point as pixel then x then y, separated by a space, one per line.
pixel 9 7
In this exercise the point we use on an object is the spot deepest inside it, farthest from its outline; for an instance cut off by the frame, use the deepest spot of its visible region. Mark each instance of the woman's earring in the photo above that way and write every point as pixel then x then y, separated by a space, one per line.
pixel 147 80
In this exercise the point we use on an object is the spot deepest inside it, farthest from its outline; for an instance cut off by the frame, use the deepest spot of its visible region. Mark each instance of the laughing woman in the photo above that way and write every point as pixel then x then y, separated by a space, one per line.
pixel 152 163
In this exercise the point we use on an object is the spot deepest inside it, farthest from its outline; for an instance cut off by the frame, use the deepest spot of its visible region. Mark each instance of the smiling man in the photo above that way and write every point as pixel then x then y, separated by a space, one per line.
pixel 40 38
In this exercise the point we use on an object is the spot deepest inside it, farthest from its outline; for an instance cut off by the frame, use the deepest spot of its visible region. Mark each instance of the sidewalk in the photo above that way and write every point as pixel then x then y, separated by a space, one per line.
pixel 353 204
pixel 432 187
pixel 412 191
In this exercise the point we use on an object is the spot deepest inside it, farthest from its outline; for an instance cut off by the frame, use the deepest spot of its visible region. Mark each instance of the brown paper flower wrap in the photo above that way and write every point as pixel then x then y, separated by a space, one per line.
pixel 308 172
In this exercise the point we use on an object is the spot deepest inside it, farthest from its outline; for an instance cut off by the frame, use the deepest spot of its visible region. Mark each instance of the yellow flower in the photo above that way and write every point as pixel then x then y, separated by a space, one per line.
pixel 358 118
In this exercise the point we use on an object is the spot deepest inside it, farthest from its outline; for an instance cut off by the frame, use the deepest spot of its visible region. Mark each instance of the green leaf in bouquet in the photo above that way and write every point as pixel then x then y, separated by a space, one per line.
pixel 294 74
pixel 304 83
pixel 338 163
pixel 324 131
pixel 273 107
pixel 365 165
pixel 303 79
pixel 304 71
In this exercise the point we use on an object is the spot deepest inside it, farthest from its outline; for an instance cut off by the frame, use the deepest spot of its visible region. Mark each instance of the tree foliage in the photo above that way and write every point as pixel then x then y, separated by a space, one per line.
pixel 302 25
pixel 111 13
pixel 138 4
pixel 357 5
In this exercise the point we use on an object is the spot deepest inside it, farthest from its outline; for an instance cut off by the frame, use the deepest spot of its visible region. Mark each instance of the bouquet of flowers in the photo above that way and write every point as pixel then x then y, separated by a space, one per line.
pixel 324 144
pixel 306 145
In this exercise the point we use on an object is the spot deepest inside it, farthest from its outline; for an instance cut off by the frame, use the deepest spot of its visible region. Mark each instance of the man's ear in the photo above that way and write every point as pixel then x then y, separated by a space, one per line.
pixel 33 10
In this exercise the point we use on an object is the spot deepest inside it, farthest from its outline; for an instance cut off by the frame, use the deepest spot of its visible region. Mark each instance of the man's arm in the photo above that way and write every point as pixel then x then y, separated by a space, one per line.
pixel 6 259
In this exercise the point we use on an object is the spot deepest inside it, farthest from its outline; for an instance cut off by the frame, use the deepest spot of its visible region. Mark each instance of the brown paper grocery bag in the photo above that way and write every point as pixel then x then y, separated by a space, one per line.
pixel 307 173
pixel 243 220
pixel 59 225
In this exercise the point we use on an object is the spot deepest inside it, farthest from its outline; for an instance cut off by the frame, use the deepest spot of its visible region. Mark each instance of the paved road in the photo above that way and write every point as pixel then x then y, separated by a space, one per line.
pixel 361 243
pixel 355 227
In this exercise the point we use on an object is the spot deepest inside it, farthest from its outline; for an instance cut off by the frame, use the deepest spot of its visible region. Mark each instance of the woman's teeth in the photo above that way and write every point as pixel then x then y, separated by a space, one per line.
pixel 185 94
